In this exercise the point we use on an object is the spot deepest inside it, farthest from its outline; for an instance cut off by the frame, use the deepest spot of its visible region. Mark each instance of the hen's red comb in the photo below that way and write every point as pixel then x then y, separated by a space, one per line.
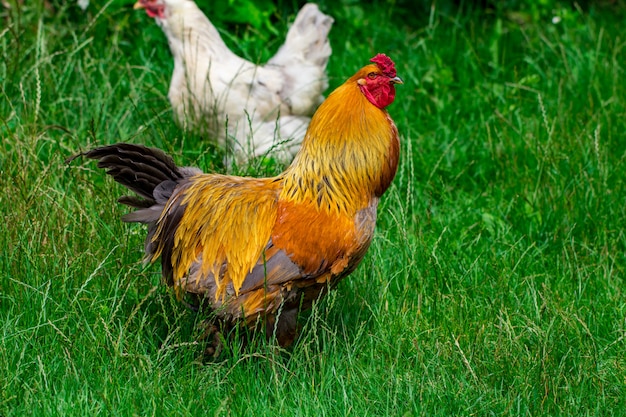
pixel 385 64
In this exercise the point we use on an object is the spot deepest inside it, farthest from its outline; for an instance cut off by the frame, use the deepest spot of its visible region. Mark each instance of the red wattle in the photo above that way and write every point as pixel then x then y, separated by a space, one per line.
pixel 381 96
pixel 157 11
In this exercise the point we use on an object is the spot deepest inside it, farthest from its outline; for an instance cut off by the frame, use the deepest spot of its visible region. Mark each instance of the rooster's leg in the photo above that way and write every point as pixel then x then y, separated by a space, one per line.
pixel 212 336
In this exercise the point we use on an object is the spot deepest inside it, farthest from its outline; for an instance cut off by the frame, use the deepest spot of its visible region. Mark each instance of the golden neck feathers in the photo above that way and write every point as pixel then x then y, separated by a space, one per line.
pixel 349 154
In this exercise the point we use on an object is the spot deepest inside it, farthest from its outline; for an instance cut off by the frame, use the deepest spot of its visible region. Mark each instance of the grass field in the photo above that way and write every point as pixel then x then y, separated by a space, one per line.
pixel 496 281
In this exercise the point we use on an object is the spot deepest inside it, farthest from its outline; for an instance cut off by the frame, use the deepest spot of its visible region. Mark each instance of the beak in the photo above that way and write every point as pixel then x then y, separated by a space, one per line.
pixel 139 5
pixel 396 80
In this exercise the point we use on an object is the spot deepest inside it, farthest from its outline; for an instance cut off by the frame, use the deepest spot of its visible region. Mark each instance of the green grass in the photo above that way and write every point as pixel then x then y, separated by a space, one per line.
pixel 494 286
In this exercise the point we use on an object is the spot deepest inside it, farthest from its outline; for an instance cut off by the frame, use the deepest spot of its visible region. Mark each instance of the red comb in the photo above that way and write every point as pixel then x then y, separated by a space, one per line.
pixel 385 64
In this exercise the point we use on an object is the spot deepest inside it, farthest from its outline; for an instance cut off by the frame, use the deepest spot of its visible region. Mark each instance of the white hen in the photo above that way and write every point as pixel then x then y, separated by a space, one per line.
pixel 251 109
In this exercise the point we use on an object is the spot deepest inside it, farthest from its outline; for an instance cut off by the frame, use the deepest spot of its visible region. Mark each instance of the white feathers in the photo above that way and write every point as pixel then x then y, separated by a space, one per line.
pixel 250 109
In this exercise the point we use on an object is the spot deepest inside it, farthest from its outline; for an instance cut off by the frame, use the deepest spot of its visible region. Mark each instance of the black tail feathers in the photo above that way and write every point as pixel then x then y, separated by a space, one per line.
pixel 140 169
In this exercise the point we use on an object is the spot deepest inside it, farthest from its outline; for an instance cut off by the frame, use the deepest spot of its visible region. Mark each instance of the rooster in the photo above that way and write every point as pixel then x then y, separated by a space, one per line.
pixel 252 109
pixel 262 249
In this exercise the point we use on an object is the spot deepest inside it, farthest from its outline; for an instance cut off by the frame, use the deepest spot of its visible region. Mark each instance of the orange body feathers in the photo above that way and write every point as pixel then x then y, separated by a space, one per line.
pixel 267 247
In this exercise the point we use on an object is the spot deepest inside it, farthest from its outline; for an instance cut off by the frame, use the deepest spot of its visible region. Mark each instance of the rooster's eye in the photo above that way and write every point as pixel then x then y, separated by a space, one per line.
pixel 372 75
